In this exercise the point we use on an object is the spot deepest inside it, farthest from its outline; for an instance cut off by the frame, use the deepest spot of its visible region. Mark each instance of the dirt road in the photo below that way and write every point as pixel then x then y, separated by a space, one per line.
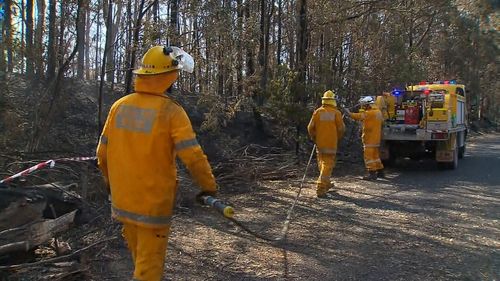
pixel 420 223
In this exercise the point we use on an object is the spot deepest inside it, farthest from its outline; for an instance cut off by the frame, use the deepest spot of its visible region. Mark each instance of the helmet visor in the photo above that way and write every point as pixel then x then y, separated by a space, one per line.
pixel 366 100
pixel 186 61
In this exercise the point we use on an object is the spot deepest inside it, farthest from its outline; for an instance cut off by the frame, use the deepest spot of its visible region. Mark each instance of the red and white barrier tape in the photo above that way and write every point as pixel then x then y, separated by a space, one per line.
pixel 49 163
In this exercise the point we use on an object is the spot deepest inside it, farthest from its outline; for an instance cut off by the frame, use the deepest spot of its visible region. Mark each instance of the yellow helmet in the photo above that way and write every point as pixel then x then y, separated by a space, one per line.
pixel 161 59
pixel 329 98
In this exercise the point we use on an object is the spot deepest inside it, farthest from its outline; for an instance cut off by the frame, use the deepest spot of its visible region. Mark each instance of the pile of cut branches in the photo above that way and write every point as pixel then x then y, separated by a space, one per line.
pixel 255 162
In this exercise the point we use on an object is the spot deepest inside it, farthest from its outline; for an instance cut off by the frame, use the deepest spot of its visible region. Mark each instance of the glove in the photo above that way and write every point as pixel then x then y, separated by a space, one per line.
pixel 199 196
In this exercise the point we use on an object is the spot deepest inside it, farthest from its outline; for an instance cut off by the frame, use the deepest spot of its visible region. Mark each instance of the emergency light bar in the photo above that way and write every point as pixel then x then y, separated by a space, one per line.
pixel 445 82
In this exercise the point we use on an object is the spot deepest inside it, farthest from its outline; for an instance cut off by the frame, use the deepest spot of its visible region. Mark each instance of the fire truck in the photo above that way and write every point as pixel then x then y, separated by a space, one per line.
pixel 424 120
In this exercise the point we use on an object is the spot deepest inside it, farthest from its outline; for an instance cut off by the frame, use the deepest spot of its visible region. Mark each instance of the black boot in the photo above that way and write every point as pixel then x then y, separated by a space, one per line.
pixel 372 175
pixel 381 174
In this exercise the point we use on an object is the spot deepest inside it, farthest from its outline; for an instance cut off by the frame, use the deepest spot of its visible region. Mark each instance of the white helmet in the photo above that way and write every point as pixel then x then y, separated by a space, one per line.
pixel 367 100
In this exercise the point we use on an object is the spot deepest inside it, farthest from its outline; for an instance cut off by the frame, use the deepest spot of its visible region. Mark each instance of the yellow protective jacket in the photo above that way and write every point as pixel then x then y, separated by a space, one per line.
pixel 386 103
pixel 143 134
pixel 372 126
pixel 326 128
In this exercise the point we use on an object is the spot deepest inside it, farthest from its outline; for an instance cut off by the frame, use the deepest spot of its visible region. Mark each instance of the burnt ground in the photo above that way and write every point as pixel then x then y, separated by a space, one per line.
pixel 420 223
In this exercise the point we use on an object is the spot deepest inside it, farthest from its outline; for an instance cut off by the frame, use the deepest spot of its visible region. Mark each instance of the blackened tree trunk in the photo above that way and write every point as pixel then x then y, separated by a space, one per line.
pixel 156 19
pixel 23 32
pixel 80 61
pixel 108 49
pixel 51 45
pixel 299 85
pixel 62 26
pixel 174 22
pixel 250 69
pixel 128 47
pixel 239 48
pixel 38 40
pixel 258 96
pixel 2 50
pixel 29 52
pixel 98 39
pixel 8 34
pixel 88 25
pixel 265 26
pixel 278 39
pixel 302 41
pixel 135 44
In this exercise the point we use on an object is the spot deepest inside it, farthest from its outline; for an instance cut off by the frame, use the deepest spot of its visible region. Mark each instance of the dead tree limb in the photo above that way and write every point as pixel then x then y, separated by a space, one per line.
pixel 56 259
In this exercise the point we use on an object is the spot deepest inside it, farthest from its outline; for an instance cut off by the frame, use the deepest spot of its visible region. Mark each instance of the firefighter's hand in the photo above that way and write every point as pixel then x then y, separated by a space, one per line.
pixel 199 196
pixel 346 111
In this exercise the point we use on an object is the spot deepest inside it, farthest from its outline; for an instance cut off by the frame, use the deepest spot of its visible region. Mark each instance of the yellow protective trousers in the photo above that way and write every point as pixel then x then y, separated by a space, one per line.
pixel 372 159
pixel 326 163
pixel 148 247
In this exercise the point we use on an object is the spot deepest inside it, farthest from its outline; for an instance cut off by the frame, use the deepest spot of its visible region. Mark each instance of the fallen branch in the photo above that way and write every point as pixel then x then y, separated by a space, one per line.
pixel 56 259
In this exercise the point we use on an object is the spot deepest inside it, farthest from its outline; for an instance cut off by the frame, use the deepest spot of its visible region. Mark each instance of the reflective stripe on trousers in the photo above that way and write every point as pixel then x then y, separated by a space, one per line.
pixel 150 220
pixel 372 159
pixel 327 150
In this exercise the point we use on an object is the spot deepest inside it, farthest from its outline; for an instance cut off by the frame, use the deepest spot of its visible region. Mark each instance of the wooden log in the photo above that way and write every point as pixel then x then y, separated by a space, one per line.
pixel 19 207
pixel 33 234
pixel 30 216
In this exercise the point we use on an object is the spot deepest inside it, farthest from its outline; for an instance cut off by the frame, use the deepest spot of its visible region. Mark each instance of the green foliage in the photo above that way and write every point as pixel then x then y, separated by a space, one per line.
pixel 284 103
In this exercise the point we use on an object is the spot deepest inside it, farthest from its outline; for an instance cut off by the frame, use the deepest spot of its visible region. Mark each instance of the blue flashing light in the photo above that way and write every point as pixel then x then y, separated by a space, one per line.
pixel 397 92
pixel 453 81
pixel 2 13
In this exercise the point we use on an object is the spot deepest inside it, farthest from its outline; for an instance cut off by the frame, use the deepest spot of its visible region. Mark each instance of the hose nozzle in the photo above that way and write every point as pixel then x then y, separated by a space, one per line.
pixel 224 209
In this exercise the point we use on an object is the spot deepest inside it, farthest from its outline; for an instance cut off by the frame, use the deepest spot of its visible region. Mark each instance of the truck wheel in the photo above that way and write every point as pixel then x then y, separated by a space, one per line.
pixel 389 162
pixel 461 152
pixel 454 164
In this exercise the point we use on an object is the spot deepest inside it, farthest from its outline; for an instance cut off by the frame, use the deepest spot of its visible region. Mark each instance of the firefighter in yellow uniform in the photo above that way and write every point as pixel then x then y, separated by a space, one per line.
pixel 326 128
pixel 385 103
pixel 143 134
pixel 372 119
